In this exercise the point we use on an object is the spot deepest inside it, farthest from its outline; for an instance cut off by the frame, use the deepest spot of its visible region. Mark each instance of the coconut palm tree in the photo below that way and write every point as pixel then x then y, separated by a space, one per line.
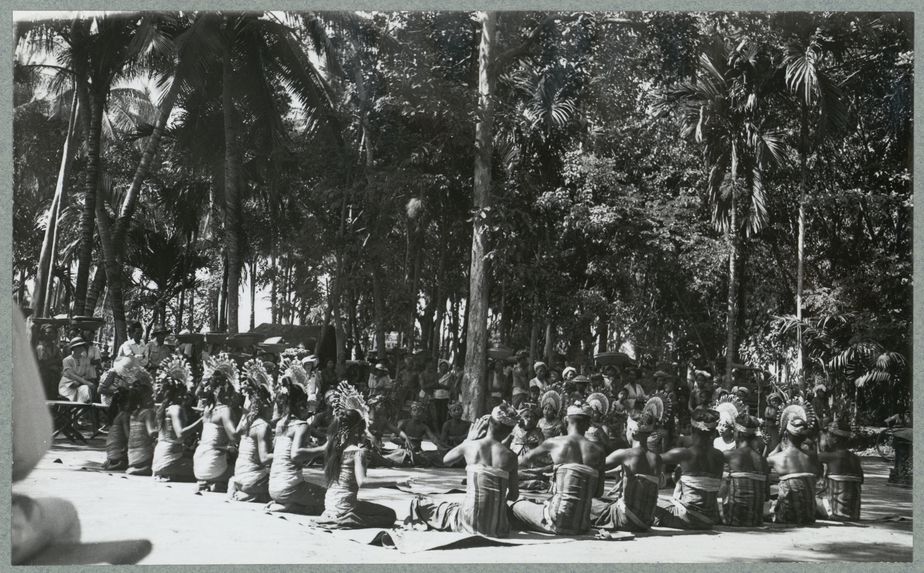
pixel 724 109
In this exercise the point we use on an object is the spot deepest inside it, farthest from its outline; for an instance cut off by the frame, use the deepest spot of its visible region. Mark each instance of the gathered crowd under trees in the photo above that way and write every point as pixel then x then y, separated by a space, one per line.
pixel 716 193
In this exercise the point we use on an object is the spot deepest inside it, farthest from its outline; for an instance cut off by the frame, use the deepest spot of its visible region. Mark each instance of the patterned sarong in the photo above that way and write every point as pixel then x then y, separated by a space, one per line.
pixel 635 507
pixel 568 511
pixel 744 502
pixel 694 505
pixel 484 510
pixel 841 498
pixel 796 501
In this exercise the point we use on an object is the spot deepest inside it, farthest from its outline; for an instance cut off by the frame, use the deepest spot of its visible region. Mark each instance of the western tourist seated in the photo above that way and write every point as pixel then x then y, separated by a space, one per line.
pixel 633 505
pixel 575 481
pixel 798 471
pixel 694 504
pixel 78 377
pixel 840 498
pixel 345 467
pixel 491 480
pixel 748 485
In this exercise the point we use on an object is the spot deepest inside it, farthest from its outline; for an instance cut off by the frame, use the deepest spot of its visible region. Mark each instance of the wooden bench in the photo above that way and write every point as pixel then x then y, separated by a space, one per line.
pixel 67 416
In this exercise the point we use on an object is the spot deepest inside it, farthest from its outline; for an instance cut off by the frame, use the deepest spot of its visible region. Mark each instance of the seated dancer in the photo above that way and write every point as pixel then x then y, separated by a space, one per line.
pixel 550 424
pixel 345 467
pixel 250 481
pixel 491 471
pixel 575 482
pixel 840 498
pixel 798 471
pixel 125 370
pixel 287 486
pixel 771 422
pixel 412 433
pixel 694 505
pixel 525 436
pixel 726 440
pixel 170 462
pixel 598 432
pixel 379 424
pixel 637 495
pixel 117 435
pixel 748 483
pixel 317 425
pixel 455 429
pixel 141 431
pixel 210 460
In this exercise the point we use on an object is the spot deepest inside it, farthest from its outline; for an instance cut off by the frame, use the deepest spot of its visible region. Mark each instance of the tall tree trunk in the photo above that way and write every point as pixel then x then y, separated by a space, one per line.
pixel 253 293
pixel 232 191
pixel 96 288
pixel 378 309
pixel 475 390
pixel 603 327
pixel 113 275
pixel 800 253
pixel 534 332
pixel 549 342
pixel 275 276
pixel 47 256
pixel 731 321
pixel 179 314
pixel 192 310
pixel 90 184
pixel 223 297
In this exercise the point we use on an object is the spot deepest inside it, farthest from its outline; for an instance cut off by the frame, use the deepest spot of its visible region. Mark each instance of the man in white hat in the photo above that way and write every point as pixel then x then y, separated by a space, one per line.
pixel 380 383
pixel 577 479
pixel 541 380
pixel 491 480
pixel 78 382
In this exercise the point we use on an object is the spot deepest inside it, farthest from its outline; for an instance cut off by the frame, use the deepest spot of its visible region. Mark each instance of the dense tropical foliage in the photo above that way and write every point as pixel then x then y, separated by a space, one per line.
pixel 708 188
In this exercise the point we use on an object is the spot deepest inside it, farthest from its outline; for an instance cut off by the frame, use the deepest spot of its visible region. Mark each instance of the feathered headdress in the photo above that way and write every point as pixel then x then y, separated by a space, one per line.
pixel 796 408
pixel 174 369
pixel 346 398
pixel 294 372
pixel 225 365
pixel 659 405
pixel 729 408
pixel 255 372
pixel 553 398
pixel 598 402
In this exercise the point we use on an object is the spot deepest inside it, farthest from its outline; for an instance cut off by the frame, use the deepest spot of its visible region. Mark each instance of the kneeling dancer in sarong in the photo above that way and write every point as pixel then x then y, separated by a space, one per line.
pixel 748 486
pixel 210 461
pixel 491 470
pixel 576 480
pixel 694 505
pixel 633 509
pixel 345 467
pixel 250 481
pixel 840 499
pixel 798 471
pixel 170 460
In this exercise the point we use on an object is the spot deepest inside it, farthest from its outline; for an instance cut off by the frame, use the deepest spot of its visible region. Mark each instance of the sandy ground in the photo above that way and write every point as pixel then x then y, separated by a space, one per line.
pixel 185 528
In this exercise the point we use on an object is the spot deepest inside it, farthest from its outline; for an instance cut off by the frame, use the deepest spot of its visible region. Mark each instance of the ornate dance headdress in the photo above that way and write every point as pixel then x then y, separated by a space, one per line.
pixel 294 372
pixel 793 411
pixel 598 402
pixel 172 370
pixel 579 409
pixel 703 419
pixel 659 406
pixel 255 373
pixel 729 408
pixel 746 425
pixel 504 414
pixel 527 409
pixel 552 398
pixel 347 399
pixel 225 365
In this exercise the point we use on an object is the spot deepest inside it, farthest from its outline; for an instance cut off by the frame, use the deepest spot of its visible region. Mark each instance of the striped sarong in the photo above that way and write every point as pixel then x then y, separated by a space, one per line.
pixel 568 510
pixel 841 498
pixel 796 501
pixel 633 510
pixel 484 510
pixel 744 503
pixel 694 505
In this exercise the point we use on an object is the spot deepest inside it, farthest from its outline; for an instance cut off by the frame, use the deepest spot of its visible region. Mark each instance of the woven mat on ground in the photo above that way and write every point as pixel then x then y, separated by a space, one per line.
pixel 126 552
pixel 410 541
pixel 431 485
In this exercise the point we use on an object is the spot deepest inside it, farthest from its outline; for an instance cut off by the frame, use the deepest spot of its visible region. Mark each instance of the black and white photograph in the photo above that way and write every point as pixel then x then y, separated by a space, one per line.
pixel 493 287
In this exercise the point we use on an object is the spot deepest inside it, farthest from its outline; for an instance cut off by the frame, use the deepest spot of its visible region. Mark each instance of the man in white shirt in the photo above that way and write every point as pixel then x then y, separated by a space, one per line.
pixel 133 347
pixel 157 350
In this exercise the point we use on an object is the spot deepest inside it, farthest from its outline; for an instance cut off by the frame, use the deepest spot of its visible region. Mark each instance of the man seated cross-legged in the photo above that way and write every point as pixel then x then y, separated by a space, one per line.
pixel 840 499
pixel 576 480
pixel 748 487
pixel 633 509
pixel 798 471
pixel 491 472
pixel 694 505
